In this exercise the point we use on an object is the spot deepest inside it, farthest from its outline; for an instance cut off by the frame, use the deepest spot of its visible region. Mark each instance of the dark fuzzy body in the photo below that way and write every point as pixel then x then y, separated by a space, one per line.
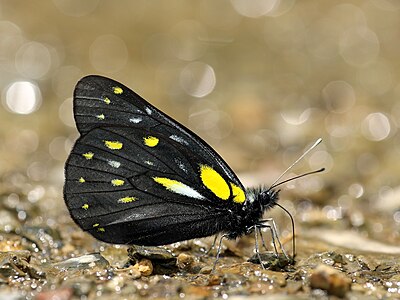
pixel 250 214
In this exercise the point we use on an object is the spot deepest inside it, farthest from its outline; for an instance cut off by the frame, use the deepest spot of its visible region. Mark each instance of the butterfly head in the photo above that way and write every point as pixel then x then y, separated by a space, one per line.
pixel 261 198
pixel 268 198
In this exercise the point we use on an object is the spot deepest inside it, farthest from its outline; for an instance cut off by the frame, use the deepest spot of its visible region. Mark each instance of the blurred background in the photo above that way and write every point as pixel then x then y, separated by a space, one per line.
pixel 258 80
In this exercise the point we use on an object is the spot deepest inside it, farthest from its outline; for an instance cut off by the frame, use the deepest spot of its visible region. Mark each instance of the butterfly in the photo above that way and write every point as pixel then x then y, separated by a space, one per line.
pixel 136 176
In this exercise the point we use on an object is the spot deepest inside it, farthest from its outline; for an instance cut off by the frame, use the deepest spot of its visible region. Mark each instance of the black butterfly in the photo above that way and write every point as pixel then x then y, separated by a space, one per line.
pixel 136 176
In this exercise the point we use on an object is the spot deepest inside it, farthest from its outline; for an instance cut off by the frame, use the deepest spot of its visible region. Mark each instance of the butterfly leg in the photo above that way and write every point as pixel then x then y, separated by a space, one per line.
pixel 273 236
pixel 218 251
pixel 274 232
pixel 262 239
pixel 212 245
pixel 257 232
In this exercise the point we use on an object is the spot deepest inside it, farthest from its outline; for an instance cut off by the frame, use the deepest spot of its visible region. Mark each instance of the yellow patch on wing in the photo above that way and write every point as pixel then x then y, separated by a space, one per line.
pixel 117 90
pixel 117 182
pixel 238 194
pixel 214 182
pixel 107 100
pixel 126 199
pixel 100 117
pixel 101 229
pixel 113 145
pixel 85 206
pixel 151 141
pixel 88 155
pixel 82 180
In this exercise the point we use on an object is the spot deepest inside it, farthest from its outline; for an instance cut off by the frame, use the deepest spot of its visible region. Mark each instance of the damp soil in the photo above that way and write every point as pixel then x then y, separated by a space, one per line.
pixel 56 260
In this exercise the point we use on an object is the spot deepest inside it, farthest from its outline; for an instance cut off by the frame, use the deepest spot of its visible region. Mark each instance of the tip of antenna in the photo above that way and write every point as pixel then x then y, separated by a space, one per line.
pixel 318 141
pixel 300 158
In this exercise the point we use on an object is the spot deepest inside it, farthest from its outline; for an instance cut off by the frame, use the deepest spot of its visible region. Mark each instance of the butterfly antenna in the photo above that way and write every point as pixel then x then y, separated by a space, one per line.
pixel 274 184
pixel 277 183
pixel 297 177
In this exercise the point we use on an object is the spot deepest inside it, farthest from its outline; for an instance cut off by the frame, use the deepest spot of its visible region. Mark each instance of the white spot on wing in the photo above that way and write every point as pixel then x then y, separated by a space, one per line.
pixel 114 164
pixel 130 217
pixel 178 139
pixel 150 163
pixel 185 190
pixel 148 110
pixel 135 120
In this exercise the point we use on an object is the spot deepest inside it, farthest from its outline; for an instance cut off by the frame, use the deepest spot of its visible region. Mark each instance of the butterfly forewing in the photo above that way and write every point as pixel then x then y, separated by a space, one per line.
pixel 137 176
pixel 103 102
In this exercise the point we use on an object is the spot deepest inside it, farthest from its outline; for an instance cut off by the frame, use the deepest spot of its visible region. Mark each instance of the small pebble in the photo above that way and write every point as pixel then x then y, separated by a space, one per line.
pixel 185 261
pixel 206 270
pixel 145 267
pixel 214 280
pixel 331 280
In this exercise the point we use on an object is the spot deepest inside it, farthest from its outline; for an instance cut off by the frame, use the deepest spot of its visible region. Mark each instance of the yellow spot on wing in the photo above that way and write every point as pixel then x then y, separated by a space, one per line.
pixel 238 194
pixel 85 206
pixel 113 145
pixel 107 100
pixel 214 182
pixel 117 90
pixel 88 155
pixel 126 199
pixel 82 180
pixel 101 229
pixel 117 182
pixel 100 117
pixel 151 141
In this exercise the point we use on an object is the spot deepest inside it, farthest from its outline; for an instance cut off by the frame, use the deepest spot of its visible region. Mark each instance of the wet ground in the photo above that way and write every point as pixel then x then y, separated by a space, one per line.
pixel 56 260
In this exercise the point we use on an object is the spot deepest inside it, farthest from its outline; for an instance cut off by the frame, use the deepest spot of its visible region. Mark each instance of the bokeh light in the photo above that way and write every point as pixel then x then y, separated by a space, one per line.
pixel 376 127
pixel 339 96
pixel 198 79
pixel 33 60
pixel 254 9
pixel 66 114
pixel 355 39
pixel 22 97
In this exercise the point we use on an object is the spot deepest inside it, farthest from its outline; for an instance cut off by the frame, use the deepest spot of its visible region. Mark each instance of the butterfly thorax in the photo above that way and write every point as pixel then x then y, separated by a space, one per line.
pixel 258 201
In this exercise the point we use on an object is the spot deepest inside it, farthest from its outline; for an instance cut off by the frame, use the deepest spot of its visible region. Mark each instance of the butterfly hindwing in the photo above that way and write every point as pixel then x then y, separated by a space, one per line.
pixel 137 176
